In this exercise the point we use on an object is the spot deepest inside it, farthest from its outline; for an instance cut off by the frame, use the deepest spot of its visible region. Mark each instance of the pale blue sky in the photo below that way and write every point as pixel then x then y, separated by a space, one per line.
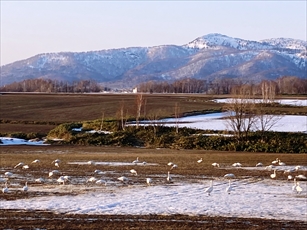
pixel 33 27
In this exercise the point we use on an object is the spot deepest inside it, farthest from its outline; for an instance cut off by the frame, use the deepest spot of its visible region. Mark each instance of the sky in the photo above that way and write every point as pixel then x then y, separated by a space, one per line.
pixel 29 28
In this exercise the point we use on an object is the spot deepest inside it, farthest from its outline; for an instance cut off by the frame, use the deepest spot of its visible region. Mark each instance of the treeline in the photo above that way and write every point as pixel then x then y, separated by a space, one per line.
pixel 282 85
pixel 52 86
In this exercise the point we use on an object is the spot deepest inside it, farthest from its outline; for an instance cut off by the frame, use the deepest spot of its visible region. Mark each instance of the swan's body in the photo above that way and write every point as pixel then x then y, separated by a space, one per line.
pixel 229 188
pixel 169 178
pixel 54 172
pixel 209 189
pixel 19 165
pixel 92 179
pixel 5 189
pixel 91 163
pixel 8 174
pixel 237 164
pixel 35 161
pixel 275 162
pixel 294 186
pixel 273 176
pixel 56 161
pixel 136 161
pixel 40 180
pixel 289 177
pixel 298 188
pixel 61 180
pixel 301 177
pixel 133 171
pixel 170 163
pixel 259 164
pixel 270 167
pixel 25 167
pixel 101 181
pixel 281 163
pixel 25 188
pixel 56 164
pixel 200 160
pixel 148 181
pixel 229 176
pixel 174 166
pixel 97 171
pixel 215 164
pixel 123 179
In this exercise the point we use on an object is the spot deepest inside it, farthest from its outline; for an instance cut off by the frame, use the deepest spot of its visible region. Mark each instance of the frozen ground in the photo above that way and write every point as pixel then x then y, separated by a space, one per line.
pixel 249 198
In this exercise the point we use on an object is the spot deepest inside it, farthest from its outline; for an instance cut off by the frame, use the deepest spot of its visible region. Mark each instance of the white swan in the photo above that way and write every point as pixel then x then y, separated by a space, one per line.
pixel 174 166
pixel 289 177
pixel 215 164
pixel 5 189
pixel 39 180
pixel 148 181
pixel 97 171
pixel 209 189
pixel 169 178
pixel 300 177
pixel 19 165
pixel 237 164
pixel 298 188
pixel 54 172
pixel 61 179
pixel 136 161
pixel 281 163
pixel 101 181
pixel 275 162
pixel 259 164
pixel 229 188
pixel 270 167
pixel 92 179
pixel 200 160
pixel 229 176
pixel 133 171
pixel 56 164
pixel 294 186
pixel 25 188
pixel 91 163
pixel 273 176
pixel 56 161
pixel 123 179
pixel 35 161
pixel 8 174
pixel 25 167
pixel 170 163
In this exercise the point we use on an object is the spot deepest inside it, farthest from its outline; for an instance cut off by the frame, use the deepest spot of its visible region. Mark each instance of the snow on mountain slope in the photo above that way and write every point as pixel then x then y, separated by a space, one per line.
pixel 206 56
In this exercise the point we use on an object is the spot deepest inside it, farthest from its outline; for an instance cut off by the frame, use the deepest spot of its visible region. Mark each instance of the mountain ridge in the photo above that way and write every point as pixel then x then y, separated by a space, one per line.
pixel 208 57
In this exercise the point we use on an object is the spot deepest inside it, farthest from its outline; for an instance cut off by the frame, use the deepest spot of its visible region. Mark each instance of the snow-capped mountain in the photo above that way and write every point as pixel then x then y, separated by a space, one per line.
pixel 207 57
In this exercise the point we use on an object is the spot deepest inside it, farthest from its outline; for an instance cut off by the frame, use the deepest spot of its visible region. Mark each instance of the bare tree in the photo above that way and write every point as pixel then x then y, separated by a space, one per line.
pixel 176 112
pixel 241 116
pixel 265 121
pixel 139 104
pixel 121 115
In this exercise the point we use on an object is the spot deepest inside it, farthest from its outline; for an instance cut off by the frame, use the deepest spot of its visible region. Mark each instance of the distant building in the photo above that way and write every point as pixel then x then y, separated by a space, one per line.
pixel 135 90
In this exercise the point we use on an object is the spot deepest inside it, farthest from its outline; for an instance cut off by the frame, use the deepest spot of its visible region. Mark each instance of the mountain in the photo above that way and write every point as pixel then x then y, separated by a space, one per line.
pixel 208 57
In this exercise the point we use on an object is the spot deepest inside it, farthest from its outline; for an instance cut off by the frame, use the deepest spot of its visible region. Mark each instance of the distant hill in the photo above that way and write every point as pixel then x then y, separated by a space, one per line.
pixel 207 57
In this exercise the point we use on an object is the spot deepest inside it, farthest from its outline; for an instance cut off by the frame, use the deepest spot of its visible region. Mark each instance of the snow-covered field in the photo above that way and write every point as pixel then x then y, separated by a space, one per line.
pixel 287 123
pixel 250 197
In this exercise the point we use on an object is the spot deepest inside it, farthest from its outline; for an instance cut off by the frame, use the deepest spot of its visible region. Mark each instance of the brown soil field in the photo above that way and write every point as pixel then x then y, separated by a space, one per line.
pixel 187 169
pixel 41 112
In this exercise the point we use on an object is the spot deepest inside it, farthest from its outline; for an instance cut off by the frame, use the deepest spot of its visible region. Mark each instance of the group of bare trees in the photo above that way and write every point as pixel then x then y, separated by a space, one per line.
pixel 245 114
pixel 282 85
pixel 52 86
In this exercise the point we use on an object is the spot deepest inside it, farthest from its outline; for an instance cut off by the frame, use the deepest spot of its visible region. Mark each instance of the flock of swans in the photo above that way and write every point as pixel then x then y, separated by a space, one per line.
pixel 149 181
